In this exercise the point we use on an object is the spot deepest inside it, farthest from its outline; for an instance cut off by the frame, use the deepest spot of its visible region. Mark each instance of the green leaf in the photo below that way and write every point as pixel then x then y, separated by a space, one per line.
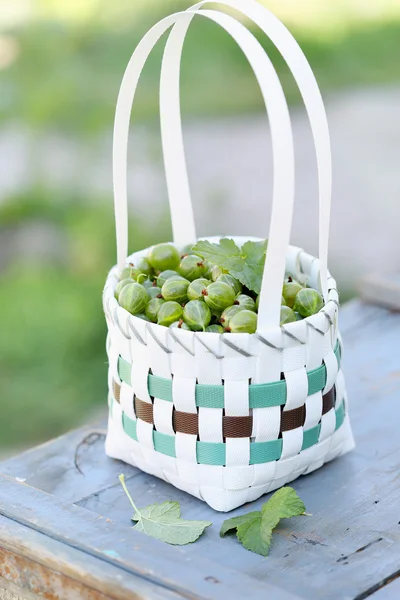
pixel 254 530
pixel 163 522
pixel 285 503
pixel 231 524
pixel 245 263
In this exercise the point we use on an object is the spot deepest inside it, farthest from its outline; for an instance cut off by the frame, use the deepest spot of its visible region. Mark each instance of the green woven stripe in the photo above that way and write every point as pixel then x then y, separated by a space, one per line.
pixel 261 395
pixel 129 426
pixel 340 414
pixel 263 452
pixel 210 453
pixel 311 437
pixel 164 443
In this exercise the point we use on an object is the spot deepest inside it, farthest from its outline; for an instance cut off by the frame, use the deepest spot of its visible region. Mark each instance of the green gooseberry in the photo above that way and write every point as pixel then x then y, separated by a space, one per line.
pixel 287 315
pixel 215 329
pixel 290 291
pixel 175 289
pixel 283 302
pixel 143 317
pixel 163 256
pixel 121 284
pixel 232 281
pixel 130 272
pixel 196 288
pixel 245 321
pixel 153 308
pixel 245 302
pixel 154 292
pixel 298 316
pixel 216 272
pixel 208 267
pixel 180 325
pixel 308 302
pixel 228 314
pixel 169 313
pixel 144 266
pixel 192 267
pixel 133 298
pixel 197 315
pixel 164 275
pixel 218 296
pixel 186 250
pixel 146 283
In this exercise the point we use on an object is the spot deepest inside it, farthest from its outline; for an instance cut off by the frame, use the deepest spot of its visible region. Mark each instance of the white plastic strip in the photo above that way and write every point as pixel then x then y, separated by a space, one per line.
pixel 172 128
pixel 282 143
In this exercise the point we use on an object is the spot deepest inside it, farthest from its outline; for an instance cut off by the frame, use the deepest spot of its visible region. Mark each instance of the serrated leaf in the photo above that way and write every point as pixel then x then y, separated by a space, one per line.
pixel 163 522
pixel 245 263
pixel 231 524
pixel 254 530
pixel 285 503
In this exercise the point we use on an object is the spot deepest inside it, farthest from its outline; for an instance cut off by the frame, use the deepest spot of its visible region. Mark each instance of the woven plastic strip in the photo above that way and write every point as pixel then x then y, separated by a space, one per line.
pixel 214 453
pixel 261 395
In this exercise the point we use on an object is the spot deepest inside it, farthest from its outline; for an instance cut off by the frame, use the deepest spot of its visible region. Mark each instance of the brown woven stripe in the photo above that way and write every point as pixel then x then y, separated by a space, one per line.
pixel 144 411
pixel 237 427
pixel 328 400
pixel 291 419
pixel 186 422
pixel 116 390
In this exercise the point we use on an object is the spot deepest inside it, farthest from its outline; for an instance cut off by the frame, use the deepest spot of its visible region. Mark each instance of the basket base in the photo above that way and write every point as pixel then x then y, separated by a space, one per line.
pixel 223 488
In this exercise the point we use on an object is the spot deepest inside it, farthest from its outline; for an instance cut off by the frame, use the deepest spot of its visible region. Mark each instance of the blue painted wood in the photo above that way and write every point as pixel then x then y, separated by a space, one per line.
pixel 345 551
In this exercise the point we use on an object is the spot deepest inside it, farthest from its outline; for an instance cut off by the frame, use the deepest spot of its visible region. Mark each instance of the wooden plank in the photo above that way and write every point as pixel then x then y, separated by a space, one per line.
pixel 391 591
pixel 37 564
pixel 115 544
pixel 58 466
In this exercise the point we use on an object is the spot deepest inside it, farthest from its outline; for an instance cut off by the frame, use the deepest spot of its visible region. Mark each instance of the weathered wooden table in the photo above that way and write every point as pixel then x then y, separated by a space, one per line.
pixel 65 529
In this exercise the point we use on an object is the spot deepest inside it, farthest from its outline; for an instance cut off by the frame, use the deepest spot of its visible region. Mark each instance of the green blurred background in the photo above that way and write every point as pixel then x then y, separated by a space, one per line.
pixel 61 62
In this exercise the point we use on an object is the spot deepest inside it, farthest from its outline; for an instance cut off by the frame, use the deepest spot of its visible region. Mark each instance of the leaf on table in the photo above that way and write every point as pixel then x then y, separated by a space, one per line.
pixel 163 522
pixel 254 530
pixel 245 263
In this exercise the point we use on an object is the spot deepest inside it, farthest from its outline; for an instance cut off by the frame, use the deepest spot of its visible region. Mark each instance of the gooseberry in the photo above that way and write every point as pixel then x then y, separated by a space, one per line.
pixel 245 321
pixel 196 288
pixel 290 291
pixel 129 272
pixel 169 313
pixel 153 308
pixel 180 325
pixel 175 289
pixel 164 275
pixel 232 281
pixel 191 267
pixel 229 313
pixel 153 291
pixel 121 284
pixel 163 256
pixel 218 296
pixel 215 329
pixel 133 298
pixel 216 272
pixel 246 302
pixel 308 302
pixel 144 266
pixel 197 315
pixel 287 315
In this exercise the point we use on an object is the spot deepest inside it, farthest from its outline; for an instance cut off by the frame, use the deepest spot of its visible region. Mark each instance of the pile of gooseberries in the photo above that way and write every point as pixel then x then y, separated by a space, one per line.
pixel 180 289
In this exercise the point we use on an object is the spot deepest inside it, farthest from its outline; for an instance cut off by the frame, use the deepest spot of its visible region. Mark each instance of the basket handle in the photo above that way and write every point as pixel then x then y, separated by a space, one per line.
pixel 174 158
pixel 181 209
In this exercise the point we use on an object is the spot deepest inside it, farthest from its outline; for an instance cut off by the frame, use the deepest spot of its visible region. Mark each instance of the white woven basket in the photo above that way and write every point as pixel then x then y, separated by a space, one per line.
pixel 228 417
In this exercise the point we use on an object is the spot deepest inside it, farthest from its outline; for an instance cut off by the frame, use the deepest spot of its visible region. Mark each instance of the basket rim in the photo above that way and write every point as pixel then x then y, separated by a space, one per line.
pixel 289 328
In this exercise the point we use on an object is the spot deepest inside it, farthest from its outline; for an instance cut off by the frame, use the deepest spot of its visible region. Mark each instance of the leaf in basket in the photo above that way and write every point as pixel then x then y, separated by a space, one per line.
pixel 254 530
pixel 163 522
pixel 245 263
